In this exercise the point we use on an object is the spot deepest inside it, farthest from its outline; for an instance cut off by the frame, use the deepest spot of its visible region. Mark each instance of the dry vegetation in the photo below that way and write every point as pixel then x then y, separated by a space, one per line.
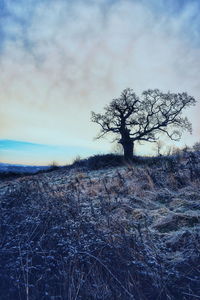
pixel 129 232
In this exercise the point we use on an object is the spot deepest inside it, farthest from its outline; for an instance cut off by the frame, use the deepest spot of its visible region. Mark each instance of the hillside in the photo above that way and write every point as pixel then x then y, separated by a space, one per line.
pixel 126 232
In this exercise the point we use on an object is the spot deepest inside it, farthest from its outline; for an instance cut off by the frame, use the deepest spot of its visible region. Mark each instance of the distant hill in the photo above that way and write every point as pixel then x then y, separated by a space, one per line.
pixel 21 169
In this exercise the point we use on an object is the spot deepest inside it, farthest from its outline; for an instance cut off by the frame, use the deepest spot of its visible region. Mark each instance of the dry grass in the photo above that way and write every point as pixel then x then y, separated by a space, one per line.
pixel 119 233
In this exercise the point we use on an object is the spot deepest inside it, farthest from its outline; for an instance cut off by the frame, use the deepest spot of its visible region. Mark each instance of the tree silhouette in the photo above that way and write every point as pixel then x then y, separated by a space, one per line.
pixel 142 119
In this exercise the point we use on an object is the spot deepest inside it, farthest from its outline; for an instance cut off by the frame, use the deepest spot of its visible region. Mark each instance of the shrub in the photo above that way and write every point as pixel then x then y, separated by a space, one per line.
pixel 104 161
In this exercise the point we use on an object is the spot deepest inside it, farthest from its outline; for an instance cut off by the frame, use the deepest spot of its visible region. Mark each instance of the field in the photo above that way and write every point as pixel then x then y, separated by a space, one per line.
pixel 117 232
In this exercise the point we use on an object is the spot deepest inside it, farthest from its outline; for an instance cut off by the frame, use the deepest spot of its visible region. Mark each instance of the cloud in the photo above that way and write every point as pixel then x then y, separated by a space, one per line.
pixel 62 59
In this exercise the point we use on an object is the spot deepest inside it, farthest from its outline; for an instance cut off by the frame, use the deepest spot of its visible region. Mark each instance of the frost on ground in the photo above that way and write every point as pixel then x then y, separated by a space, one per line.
pixel 129 232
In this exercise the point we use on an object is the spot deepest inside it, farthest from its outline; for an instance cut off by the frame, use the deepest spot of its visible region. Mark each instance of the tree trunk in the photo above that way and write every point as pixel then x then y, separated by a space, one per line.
pixel 128 150
pixel 127 144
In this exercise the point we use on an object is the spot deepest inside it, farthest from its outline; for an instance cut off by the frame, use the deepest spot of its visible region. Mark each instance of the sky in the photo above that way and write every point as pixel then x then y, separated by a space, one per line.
pixel 62 59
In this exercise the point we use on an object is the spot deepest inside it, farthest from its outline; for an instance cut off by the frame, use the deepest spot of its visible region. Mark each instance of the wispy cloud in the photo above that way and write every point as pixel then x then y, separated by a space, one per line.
pixel 61 59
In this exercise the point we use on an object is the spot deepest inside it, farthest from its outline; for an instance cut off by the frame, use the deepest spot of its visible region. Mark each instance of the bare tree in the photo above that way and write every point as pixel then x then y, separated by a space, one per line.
pixel 142 119
pixel 158 147
pixel 196 146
